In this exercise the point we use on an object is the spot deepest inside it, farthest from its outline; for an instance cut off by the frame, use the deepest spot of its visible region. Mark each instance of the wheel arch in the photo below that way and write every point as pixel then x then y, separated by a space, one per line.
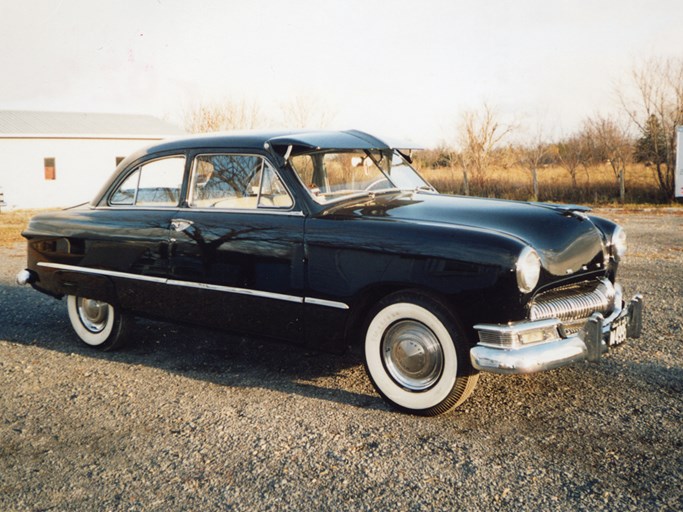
pixel 371 296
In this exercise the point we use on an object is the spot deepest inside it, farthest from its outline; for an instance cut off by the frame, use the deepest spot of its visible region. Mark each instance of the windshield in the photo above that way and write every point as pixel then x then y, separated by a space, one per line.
pixel 333 175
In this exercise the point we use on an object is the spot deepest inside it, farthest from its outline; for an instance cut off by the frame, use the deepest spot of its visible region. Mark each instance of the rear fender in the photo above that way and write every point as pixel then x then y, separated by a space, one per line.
pixel 85 285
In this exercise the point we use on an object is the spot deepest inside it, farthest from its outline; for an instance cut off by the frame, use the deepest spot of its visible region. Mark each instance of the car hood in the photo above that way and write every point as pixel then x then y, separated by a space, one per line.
pixel 565 239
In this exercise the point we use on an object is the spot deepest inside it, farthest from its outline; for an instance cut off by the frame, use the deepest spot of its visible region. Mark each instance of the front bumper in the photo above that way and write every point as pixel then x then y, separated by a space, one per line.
pixel 555 348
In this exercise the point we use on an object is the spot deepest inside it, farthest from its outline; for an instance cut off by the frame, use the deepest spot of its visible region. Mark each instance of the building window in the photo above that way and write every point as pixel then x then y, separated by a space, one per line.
pixel 119 159
pixel 50 170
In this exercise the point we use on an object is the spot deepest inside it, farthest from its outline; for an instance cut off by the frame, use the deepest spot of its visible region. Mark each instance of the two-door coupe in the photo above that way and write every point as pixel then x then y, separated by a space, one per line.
pixel 332 239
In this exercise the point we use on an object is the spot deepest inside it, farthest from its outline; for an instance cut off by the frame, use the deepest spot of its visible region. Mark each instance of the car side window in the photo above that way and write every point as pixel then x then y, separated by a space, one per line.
pixel 156 183
pixel 236 182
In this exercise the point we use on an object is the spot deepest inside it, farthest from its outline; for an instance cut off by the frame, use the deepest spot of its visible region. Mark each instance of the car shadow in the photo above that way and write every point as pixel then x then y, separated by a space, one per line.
pixel 29 318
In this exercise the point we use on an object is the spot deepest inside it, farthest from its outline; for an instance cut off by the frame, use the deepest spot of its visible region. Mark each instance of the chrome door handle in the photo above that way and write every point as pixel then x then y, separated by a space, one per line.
pixel 180 225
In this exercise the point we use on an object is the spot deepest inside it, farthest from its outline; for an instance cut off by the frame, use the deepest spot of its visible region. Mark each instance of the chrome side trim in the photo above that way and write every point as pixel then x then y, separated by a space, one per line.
pixel 103 272
pixel 231 289
pixel 201 286
pixel 328 303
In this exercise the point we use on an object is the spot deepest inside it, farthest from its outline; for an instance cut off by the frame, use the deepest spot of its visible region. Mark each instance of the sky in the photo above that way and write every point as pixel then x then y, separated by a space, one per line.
pixel 406 69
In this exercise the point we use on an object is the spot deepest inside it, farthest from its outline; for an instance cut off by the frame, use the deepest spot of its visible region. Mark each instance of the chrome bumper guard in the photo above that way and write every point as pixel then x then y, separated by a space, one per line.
pixel 534 346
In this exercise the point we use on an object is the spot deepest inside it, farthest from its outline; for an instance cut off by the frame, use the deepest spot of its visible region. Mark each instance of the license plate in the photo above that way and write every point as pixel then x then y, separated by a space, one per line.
pixel 617 332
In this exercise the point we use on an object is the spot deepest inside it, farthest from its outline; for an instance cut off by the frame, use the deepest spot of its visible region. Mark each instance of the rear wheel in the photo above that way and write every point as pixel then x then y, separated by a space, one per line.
pixel 98 324
pixel 415 355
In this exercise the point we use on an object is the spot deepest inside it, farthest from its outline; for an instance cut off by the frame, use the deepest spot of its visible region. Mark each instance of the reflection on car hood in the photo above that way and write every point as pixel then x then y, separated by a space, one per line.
pixel 564 238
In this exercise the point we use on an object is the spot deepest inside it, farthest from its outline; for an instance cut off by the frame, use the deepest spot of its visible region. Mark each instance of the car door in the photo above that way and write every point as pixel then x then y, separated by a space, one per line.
pixel 127 237
pixel 237 248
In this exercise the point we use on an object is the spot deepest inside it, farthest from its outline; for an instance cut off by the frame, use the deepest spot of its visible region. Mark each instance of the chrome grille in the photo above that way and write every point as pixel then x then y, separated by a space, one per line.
pixel 574 302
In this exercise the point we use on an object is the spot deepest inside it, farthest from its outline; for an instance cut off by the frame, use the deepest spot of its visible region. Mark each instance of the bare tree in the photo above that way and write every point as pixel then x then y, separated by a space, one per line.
pixel 656 108
pixel 610 143
pixel 479 134
pixel 224 115
pixel 532 156
pixel 572 153
pixel 306 112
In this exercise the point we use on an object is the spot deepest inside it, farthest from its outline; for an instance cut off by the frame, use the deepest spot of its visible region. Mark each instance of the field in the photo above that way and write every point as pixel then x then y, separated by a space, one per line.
pixel 595 185
pixel 12 224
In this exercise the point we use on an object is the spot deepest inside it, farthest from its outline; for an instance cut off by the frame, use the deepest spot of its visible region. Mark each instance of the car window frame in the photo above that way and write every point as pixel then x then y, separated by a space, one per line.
pixel 191 180
pixel 321 206
pixel 136 167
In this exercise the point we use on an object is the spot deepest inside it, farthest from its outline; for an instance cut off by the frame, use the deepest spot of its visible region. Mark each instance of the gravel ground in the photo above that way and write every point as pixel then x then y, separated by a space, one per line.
pixel 188 419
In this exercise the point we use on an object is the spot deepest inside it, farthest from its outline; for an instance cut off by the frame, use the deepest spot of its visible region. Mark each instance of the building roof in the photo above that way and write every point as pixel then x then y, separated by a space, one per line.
pixel 78 125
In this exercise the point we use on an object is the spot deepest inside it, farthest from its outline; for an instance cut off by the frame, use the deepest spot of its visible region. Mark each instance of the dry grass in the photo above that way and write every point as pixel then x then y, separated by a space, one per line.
pixel 12 224
pixel 595 185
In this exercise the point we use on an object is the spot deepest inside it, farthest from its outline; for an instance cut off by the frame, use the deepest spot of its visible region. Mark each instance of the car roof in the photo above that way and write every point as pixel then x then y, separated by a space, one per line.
pixel 347 139
pixel 306 139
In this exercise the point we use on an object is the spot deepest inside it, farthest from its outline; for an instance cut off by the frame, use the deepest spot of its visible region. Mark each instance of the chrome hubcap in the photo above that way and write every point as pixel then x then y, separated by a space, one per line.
pixel 412 355
pixel 93 314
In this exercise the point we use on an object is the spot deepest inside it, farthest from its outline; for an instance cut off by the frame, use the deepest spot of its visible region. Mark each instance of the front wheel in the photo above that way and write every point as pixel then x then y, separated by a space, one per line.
pixel 98 324
pixel 415 355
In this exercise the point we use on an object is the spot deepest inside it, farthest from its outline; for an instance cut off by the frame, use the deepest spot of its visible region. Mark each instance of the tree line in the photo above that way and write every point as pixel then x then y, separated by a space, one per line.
pixel 641 129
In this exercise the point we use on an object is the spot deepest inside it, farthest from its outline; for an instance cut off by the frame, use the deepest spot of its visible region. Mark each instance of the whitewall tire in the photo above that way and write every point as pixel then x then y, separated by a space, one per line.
pixel 97 324
pixel 415 354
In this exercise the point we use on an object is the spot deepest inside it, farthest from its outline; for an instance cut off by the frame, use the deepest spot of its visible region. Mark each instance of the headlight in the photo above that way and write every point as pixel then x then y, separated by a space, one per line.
pixel 618 243
pixel 528 270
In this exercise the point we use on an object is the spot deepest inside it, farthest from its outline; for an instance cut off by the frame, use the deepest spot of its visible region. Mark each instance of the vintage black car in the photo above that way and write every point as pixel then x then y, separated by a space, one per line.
pixel 330 240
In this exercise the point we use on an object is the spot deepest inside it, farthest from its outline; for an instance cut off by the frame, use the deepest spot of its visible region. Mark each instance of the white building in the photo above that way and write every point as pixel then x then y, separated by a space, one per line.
pixel 59 159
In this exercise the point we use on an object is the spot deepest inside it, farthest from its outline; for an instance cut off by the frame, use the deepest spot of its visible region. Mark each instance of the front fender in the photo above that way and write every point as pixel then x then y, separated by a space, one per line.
pixel 473 269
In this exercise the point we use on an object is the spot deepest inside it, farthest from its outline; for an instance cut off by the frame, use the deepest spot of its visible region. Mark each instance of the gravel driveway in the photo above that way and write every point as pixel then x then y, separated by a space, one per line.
pixel 189 419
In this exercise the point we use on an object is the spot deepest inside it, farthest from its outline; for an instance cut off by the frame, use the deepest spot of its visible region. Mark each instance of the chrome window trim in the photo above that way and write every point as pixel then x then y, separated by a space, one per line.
pixel 360 193
pixel 138 167
pixel 138 208
pixel 192 284
pixel 120 184
pixel 265 161
pixel 293 213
